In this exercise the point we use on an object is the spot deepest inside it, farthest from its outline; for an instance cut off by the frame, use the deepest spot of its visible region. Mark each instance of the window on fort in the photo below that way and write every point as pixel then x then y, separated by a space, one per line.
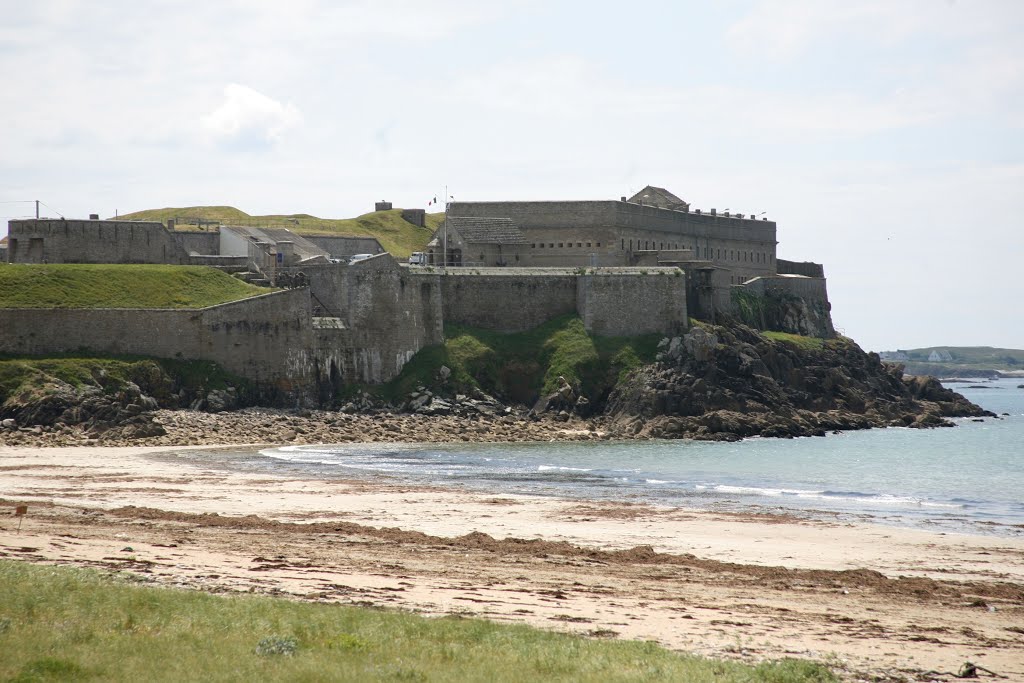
pixel 579 244
pixel 662 246
pixel 599 244
pixel 623 245
pixel 551 245
pixel 561 245
pixel 588 245
pixel 533 246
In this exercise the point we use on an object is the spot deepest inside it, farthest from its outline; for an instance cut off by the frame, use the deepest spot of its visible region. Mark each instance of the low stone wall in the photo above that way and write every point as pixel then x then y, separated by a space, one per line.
pixel 345 247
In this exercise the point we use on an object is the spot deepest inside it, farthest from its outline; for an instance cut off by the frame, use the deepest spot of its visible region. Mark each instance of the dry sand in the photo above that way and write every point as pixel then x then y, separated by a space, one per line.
pixel 867 599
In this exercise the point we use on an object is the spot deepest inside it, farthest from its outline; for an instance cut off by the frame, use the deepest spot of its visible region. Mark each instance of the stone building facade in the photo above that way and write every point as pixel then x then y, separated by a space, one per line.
pixel 621 233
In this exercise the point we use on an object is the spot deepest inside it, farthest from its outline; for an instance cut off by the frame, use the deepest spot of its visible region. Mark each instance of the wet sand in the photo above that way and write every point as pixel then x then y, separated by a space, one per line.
pixel 867 599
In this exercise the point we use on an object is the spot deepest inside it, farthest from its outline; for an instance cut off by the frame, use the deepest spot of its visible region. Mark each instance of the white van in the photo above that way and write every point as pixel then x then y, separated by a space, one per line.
pixel 418 258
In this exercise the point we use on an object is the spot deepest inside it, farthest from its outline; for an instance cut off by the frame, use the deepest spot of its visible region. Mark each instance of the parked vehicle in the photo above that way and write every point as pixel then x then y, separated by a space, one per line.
pixel 359 257
pixel 418 258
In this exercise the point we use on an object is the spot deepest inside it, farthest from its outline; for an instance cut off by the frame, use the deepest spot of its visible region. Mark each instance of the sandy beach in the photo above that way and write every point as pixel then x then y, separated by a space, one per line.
pixel 869 600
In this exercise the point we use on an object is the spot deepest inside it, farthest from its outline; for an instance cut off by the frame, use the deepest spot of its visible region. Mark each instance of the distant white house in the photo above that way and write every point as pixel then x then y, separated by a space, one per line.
pixel 893 355
pixel 939 356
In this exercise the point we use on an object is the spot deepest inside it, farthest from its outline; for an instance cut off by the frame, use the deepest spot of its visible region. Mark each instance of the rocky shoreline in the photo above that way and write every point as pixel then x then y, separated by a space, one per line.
pixel 720 383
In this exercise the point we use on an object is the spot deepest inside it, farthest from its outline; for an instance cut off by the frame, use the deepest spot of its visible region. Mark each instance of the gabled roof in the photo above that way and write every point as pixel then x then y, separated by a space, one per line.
pixel 658 196
pixel 475 230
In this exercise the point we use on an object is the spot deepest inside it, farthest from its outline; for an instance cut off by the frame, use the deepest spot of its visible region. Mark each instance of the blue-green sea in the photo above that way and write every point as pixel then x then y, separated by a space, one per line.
pixel 969 478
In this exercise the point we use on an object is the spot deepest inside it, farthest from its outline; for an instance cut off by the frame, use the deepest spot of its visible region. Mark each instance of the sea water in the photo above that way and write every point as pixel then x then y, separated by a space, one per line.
pixel 966 478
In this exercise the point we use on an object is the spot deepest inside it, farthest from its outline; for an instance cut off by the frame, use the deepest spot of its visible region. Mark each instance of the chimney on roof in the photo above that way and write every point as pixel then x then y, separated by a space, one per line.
pixel 94 216
pixel 622 199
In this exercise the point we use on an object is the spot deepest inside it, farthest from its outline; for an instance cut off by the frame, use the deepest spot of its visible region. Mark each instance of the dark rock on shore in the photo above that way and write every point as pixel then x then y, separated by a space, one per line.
pixel 726 383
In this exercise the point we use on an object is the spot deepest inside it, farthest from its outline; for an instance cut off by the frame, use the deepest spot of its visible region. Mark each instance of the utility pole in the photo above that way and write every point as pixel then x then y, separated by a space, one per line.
pixel 37 209
pixel 444 238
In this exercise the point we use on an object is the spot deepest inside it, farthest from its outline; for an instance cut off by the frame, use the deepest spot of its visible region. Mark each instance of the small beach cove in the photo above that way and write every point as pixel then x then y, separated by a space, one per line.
pixel 750 581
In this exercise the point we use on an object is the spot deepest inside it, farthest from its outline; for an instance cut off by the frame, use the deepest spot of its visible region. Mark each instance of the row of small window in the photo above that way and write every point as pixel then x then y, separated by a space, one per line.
pixel 561 245
pixel 717 254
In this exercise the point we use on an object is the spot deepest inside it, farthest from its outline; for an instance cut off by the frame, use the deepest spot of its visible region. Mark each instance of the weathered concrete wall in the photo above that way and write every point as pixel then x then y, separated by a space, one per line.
pixel 611 303
pixel 206 242
pixel 626 304
pixel 76 241
pixel 267 339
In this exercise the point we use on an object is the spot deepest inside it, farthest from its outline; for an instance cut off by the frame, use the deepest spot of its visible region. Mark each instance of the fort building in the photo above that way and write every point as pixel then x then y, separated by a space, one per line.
pixel 643 264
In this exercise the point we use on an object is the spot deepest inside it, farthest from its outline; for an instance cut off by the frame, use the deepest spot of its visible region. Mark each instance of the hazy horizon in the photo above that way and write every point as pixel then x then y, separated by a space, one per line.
pixel 886 139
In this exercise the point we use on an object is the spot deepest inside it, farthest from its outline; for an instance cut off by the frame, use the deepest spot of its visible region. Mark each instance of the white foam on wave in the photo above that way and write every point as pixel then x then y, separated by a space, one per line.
pixel 549 468
pixel 862 499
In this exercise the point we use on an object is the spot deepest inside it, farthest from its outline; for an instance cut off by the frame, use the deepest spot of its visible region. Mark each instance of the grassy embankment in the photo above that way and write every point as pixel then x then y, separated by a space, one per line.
pixel 397 236
pixel 520 366
pixel 64 624
pixel 118 286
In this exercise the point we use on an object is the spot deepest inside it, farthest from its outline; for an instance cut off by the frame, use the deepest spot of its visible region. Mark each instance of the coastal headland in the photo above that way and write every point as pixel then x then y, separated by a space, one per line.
pixel 873 602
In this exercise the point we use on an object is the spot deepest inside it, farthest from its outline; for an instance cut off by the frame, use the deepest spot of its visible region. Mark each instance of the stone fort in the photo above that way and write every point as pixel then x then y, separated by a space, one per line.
pixel 640 265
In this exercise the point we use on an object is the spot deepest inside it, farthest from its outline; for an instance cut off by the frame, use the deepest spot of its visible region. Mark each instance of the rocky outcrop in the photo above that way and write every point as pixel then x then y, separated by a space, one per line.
pixel 126 413
pixel 729 382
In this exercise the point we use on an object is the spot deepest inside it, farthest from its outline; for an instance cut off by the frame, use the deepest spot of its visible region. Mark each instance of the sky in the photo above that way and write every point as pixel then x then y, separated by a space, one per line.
pixel 885 137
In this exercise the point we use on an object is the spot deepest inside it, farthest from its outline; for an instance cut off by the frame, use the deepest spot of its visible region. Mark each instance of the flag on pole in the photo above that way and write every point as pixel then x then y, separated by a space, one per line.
pixel 432 202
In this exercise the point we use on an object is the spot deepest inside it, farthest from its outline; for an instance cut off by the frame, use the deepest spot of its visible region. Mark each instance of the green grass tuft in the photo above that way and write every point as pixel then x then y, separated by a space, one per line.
pixel 800 341
pixel 83 625
pixel 118 286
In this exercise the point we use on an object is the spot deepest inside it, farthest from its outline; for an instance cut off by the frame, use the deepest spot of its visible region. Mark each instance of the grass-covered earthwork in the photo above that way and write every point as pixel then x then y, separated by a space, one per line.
pixel 396 235
pixel 118 286
pixel 59 624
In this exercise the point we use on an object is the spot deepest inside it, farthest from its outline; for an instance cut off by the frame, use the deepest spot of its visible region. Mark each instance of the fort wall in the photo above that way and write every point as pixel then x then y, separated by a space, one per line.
pixel 806 268
pixel 78 241
pixel 267 339
pixel 620 303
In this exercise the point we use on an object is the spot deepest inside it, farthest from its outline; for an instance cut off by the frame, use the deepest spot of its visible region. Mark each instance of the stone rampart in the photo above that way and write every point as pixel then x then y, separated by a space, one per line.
pixel 267 339
pixel 809 288
pixel 622 302
pixel 89 241
pixel 614 304
pixel 506 300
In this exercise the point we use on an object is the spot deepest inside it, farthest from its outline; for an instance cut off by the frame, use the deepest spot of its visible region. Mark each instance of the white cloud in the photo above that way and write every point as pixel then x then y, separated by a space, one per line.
pixel 248 117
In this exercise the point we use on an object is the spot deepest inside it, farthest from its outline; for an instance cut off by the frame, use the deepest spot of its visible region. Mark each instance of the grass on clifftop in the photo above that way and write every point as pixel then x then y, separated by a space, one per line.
pixel 396 235
pixel 118 286
pixel 64 624
pixel 523 365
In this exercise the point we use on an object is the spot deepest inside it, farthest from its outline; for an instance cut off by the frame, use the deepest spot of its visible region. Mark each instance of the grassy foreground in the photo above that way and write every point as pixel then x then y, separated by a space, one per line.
pixel 63 624
pixel 522 365
pixel 118 286
pixel 396 235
